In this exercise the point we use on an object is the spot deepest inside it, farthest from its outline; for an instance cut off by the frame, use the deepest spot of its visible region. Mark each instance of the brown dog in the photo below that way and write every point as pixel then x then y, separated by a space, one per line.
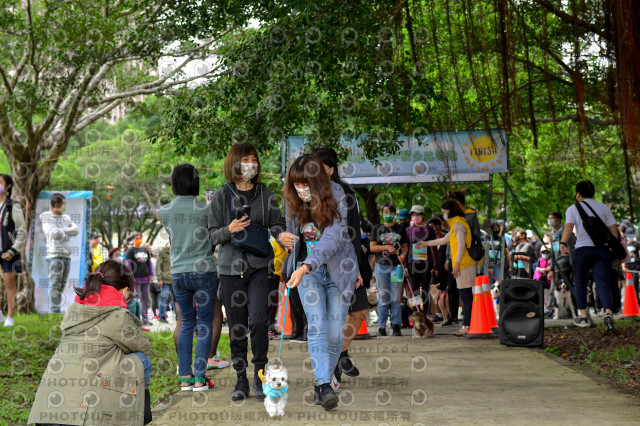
pixel 421 324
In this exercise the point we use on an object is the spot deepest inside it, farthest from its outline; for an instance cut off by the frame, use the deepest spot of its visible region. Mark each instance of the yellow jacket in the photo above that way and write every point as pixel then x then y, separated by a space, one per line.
pixel 278 256
pixel 97 257
pixel 453 241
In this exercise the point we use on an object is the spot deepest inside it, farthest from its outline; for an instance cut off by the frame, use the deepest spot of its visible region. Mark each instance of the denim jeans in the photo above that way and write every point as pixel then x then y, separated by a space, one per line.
pixel 58 274
pixel 326 311
pixel 191 289
pixel 164 297
pixel 598 260
pixel 389 295
pixel 146 364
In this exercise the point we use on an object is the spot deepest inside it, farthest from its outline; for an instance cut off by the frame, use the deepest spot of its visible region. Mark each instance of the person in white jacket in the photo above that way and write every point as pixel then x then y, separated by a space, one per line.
pixel 58 229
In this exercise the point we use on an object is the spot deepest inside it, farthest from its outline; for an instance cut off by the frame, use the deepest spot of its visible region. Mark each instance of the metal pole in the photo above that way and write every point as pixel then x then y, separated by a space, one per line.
pixel 503 242
pixel 109 216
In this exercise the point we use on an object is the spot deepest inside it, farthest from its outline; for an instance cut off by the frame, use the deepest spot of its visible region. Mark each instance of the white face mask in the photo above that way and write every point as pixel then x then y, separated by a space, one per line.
pixel 551 222
pixel 545 256
pixel 63 209
pixel 249 170
pixel 445 216
pixel 304 193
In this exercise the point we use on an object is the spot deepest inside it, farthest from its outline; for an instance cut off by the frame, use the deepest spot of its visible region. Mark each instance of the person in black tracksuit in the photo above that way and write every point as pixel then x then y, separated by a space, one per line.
pixel 244 277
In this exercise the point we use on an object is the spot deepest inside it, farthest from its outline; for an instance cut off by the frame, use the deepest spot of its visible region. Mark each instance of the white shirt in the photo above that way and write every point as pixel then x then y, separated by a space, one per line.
pixel 573 217
pixel 58 228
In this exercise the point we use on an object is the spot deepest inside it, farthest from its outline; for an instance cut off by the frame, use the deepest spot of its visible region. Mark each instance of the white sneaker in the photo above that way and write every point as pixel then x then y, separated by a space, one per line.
pixel 335 384
pixel 8 322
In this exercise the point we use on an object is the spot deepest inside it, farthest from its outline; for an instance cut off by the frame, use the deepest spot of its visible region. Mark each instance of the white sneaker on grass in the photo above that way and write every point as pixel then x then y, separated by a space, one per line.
pixel 8 322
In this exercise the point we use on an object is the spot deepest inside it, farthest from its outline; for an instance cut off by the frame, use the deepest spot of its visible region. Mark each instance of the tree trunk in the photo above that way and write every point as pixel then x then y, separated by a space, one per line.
pixel 369 196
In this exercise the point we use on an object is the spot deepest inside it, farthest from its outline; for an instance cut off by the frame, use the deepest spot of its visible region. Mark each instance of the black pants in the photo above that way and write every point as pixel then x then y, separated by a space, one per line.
pixel 615 291
pixel 421 277
pixel 274 282
pixel 246 301
pixel 466 294
pixel 452 292
pixel 298 317
pixel 154 292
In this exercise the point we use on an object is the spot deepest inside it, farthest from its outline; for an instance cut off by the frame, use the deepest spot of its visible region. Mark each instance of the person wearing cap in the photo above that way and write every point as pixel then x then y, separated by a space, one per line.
pixel 420 261
pixel 404 218
pixel 535 243
pixel 96 254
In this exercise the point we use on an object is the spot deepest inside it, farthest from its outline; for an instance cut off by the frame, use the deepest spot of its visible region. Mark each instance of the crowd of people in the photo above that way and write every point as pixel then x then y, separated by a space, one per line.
pixel 238 250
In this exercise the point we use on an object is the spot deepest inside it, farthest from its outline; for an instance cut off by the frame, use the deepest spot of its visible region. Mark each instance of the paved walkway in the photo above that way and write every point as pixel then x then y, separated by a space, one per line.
pixel 445 380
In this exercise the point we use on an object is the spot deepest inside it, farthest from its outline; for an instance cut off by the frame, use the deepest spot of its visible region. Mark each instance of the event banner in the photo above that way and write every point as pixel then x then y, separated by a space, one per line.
pixel 79 211
pixel 465 156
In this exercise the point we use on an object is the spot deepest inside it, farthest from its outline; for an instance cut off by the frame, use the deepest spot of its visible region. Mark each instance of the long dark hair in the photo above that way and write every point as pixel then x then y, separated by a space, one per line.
pixel 329 158
pixel 8 180
pixel 111 273
pixel 454 207
pixel 307 169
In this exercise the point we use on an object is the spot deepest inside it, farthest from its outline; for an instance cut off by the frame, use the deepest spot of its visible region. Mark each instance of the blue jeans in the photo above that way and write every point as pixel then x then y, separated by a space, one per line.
pixel 389 295
pixel 326 311
pixel 146 364
pixel 191 289
pixel 58 274
pixel 164 296
pixel 598 260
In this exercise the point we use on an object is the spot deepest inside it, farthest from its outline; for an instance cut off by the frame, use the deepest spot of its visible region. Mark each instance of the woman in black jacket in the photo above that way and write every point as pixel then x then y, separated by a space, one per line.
pixel 244 277
pixel 14 237
pixel 359 302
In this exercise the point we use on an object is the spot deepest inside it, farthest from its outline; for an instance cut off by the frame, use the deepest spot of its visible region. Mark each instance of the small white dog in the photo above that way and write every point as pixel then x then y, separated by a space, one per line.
pixel 495 297
pixel 565 305
pixel 275 385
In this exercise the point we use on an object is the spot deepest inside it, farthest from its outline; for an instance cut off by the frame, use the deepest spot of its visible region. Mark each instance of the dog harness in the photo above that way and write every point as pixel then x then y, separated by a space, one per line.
pixel 270 392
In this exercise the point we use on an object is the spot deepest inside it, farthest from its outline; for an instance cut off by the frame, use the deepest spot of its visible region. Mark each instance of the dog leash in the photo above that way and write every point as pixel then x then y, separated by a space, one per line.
pixel 286 302
pixel 405 271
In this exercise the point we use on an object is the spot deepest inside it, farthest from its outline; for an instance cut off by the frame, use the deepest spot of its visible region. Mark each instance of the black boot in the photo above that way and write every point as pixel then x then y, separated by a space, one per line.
pixel 396 331
pixel 147 407
pixel 328 398
pixel 345 364
pixel 316 396
pixel 257 387
pixel 241 391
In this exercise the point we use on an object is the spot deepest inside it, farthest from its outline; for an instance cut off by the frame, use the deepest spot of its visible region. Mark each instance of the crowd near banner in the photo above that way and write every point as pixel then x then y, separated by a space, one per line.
pixel 79 210
pixel 466 156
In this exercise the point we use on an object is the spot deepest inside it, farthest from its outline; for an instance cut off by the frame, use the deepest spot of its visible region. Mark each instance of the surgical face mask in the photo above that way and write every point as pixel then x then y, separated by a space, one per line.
pixel 545 256
pixel 416 220
pixel 446 216
pixel 388 217
pixel 63 208
pixel 249 170
pixel 304 193
pixel 137 242
pixel 551 222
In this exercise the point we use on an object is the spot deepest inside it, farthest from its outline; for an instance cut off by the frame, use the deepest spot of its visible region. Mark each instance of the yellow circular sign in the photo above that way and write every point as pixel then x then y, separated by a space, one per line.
pixel 483 149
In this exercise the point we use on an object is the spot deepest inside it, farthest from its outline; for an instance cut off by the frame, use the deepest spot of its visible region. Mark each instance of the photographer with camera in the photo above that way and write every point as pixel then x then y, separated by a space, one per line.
pixel 240 216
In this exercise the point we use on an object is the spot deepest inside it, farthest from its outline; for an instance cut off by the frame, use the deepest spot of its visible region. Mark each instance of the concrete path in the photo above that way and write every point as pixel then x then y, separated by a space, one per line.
pixel 408 381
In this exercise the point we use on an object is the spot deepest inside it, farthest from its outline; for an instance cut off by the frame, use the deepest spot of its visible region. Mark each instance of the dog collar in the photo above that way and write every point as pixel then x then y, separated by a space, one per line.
pixel 270 392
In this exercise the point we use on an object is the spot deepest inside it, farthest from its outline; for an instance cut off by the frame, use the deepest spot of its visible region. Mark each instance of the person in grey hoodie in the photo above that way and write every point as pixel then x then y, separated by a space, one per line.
pixel 326 266
pixel 244 277
pixel 58 229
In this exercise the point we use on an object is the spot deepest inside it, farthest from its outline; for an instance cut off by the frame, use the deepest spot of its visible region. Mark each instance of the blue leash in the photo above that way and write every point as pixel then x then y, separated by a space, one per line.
pixel 286 303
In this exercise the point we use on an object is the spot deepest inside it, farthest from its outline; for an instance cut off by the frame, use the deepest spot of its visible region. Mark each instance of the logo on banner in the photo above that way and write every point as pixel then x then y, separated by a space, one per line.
pixel 482 150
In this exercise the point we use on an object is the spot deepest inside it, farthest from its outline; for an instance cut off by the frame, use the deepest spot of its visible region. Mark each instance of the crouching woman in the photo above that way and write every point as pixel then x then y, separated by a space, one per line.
pixel 326 266
pixel 100 370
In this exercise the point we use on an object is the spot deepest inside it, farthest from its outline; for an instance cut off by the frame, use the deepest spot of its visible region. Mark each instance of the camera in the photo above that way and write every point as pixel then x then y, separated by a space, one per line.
pixel 243 211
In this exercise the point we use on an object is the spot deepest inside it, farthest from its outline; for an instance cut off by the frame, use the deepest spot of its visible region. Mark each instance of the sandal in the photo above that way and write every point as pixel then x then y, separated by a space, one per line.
pixel 191 380
pixel 208 384
pixel 462 331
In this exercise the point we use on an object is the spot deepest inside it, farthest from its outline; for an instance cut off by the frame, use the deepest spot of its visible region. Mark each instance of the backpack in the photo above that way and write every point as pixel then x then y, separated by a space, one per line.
pixel 599 233
pixel 476 250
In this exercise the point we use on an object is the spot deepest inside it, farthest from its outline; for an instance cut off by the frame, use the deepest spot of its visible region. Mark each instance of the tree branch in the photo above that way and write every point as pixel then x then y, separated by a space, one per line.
pixel 564 16
pixel 570 117
pixel 95 116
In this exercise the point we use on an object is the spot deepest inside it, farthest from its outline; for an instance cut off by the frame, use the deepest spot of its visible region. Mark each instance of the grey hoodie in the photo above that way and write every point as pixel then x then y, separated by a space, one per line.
pixel 265 211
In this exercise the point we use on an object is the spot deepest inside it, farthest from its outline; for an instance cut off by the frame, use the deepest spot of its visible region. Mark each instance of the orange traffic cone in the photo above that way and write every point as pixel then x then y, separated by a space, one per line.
pixel 479 321
pixel 491 315
pixel 287 324
pixel 630 308
pixel 363 332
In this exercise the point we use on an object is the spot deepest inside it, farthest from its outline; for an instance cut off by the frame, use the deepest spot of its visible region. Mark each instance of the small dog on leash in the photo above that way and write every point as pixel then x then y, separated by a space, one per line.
pixel 565 304
pixel 495 297
pixel 441 298
pixel 422 325
pixel 274 386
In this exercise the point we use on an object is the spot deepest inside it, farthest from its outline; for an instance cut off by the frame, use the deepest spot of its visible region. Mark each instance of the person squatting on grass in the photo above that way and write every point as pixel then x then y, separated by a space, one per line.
pixel 100 370
pixel 326 266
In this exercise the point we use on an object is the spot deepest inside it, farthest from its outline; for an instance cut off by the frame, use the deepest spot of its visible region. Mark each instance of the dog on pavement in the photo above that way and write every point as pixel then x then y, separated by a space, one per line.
pixel 275 385
pixel 565 307
pixel 441 298
pixel 422 325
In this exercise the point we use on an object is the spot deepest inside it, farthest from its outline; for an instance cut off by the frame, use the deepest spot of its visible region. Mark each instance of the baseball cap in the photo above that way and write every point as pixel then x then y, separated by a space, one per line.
pixel 94 235
pixel 417 209
pixel 630 232
pixel 403 214
pixel 529 233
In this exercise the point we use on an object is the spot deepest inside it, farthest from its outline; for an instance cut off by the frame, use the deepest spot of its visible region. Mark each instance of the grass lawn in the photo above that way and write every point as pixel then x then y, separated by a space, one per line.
pixel 26 348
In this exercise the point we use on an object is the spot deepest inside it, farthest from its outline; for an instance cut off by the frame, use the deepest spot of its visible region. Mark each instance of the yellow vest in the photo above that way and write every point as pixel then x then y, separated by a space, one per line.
pixel 97 256
pixel 453 241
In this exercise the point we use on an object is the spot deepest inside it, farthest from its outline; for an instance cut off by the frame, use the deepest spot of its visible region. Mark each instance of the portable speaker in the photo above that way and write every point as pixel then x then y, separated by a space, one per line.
pixel 521 312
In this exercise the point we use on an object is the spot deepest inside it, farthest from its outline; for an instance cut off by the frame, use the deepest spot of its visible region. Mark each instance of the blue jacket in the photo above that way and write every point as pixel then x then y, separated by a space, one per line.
pixel 334 248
